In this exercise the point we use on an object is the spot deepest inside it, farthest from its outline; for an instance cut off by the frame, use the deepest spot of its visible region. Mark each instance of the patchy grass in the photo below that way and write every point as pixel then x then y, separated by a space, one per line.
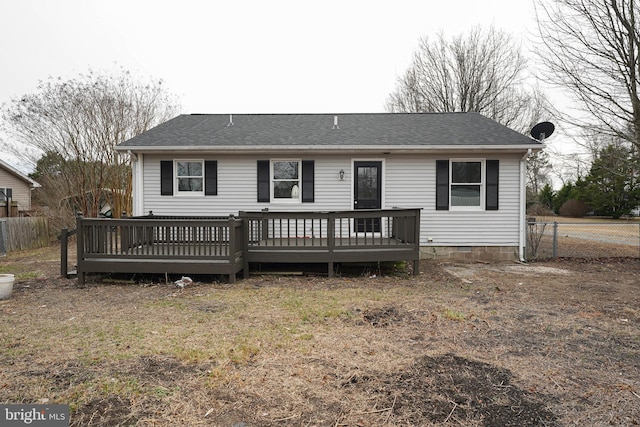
pixel 538 345
pixel 452 314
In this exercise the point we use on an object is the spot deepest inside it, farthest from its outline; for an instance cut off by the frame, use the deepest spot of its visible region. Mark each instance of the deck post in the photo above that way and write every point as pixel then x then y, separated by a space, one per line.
pixel 331 238
pixel 416 242
pixel 232 248
pixel 246 232
pixel 148 236
pixel 265 226
pixel 125 235
pixel 80 249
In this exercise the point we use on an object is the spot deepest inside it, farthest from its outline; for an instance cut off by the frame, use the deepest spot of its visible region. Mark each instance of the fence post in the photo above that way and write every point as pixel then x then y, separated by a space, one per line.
pixel 4 248
pixel 555 239
pixel 64 249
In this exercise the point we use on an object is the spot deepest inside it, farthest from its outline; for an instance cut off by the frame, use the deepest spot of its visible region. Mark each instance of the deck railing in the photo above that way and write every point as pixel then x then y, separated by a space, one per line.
pixel 141 244
pixel 226 245
pixel 344 236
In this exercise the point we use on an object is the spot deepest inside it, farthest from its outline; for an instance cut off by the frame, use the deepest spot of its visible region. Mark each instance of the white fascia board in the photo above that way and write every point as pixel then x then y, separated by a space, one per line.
pixel 19 174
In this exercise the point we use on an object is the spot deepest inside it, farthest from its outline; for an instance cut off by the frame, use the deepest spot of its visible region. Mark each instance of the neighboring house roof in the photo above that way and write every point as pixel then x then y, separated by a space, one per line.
pixel 18 174
pixel 318 131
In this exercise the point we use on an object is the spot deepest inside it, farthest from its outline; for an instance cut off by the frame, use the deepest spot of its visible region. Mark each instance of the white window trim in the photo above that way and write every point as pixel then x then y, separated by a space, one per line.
pixel 290 201
pixel 483 184
pixel 176 187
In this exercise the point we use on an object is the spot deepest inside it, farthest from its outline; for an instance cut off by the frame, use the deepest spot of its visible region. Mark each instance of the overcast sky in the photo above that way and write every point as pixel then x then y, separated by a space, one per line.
pixel 263 56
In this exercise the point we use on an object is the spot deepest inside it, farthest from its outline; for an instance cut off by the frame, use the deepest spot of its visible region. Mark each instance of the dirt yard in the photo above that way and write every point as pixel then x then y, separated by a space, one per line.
pixel 544 344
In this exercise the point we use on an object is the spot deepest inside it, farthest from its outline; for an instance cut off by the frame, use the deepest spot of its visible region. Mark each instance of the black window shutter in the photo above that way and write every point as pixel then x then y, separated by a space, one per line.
pixel 210 178
pixel 263 181
pixel 493 172
pixel 442 185
pixel 166 177
pixel 308 172
pixel 9 193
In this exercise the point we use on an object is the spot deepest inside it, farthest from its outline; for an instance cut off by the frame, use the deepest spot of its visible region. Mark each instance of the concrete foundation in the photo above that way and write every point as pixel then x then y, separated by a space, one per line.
pixel 470 253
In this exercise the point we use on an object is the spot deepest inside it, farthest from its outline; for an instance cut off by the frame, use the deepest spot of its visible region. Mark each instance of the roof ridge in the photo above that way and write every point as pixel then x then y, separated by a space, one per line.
pixel 334 114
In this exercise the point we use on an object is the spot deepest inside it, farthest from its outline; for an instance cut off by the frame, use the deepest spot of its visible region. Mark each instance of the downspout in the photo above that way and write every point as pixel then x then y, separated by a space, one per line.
pixel 523 206
pixel 137 162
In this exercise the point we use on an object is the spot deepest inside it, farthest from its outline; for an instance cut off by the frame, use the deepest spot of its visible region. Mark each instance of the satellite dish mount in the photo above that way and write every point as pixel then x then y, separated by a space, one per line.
pixel 542 130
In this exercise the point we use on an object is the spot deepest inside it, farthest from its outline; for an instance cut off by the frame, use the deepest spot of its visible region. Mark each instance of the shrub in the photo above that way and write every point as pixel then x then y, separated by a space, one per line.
pixel 574 208
pixel 538 209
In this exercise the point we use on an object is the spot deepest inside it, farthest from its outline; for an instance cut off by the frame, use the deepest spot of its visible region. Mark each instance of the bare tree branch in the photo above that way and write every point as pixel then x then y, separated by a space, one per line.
pixel 79 122
pixel 482 72
pixel 592 51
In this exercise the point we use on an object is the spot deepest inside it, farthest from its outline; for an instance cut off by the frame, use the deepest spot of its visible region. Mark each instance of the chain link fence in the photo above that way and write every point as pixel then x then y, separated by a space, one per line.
pixel 590 239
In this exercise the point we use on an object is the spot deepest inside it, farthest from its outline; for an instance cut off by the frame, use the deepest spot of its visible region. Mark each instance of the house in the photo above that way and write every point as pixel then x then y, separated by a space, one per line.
pixel 464 171
pixel 15 191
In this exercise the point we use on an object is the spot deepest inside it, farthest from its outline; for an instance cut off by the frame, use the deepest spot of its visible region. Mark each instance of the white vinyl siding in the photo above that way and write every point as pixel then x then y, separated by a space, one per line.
pixel 408 181
pixel 237 188
pixel 479 228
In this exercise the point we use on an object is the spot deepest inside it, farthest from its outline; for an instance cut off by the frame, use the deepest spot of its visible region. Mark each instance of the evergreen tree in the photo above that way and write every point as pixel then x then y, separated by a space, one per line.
pixel 565 193
pixel 547 197
pixel 611 188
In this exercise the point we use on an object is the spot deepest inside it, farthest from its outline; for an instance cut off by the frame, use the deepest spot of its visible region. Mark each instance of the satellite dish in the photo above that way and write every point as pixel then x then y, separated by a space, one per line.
pixel 542 130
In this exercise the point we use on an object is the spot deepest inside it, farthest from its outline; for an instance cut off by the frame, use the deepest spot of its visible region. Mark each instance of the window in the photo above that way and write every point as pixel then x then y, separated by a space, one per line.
pixel 5 193
pixel 190 177
pixel 466 183
pixel 286 179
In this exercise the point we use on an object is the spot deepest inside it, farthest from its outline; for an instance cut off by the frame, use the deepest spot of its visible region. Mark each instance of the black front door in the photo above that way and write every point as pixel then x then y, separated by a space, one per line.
pixel 367 193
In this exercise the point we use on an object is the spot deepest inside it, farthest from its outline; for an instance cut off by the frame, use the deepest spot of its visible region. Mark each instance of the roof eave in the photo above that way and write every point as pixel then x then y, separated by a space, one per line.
pixel 19 174
pixel 331 148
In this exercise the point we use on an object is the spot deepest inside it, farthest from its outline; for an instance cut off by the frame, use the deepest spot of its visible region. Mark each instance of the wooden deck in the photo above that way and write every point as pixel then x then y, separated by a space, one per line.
pixel 332 237
pixel 159 245
pixel 153 244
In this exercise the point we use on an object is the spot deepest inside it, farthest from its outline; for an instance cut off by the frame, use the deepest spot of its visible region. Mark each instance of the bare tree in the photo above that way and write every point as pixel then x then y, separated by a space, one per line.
pixel 483 71
pixel 538 171
pixel 78 123
pixel 592 50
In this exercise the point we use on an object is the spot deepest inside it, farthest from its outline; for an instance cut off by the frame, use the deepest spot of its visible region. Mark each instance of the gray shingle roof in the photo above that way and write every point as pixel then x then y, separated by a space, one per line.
pixel 355 130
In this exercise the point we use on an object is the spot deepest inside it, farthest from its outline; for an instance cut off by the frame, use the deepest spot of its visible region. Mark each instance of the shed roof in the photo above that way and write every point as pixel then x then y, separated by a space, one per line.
pixel 389 130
